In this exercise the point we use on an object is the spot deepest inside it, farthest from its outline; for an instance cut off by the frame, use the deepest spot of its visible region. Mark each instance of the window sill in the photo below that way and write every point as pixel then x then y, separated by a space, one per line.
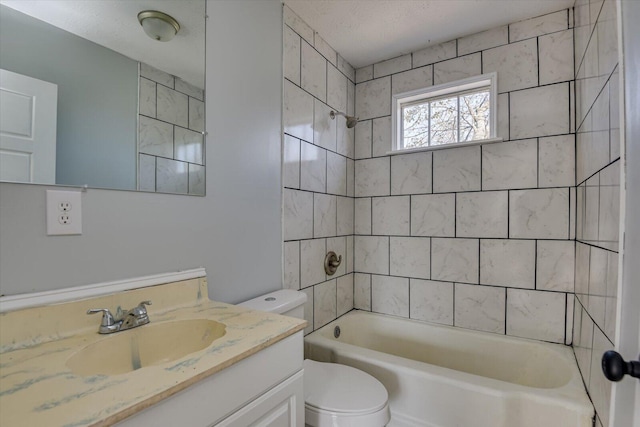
pixel 443 147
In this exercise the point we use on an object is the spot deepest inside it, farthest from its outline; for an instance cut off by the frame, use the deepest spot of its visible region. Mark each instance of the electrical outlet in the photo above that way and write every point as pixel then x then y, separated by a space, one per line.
pixel 64 212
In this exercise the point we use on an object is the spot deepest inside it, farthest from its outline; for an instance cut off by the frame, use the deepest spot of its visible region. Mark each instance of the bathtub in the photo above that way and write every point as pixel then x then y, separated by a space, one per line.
pixel 440 376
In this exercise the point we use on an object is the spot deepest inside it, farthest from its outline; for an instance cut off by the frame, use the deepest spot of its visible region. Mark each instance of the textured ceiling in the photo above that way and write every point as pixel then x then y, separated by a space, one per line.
pixel 114 24
pixel 368 31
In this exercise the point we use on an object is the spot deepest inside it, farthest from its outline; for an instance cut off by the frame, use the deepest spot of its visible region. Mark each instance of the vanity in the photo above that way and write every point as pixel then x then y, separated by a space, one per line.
pixel 197 363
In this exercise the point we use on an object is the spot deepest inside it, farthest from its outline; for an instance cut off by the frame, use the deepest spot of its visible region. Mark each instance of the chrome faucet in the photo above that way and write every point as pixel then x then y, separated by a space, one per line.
pixel 128 319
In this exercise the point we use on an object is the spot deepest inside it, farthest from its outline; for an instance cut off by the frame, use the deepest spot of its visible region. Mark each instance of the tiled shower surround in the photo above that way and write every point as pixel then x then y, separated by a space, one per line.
pixel 170 139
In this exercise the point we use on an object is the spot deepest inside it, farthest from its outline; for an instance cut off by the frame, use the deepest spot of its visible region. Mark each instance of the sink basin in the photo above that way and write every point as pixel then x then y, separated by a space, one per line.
pixel 148 345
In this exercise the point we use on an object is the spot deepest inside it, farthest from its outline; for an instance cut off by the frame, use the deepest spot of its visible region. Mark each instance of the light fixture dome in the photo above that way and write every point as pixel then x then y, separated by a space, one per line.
pixel 159 26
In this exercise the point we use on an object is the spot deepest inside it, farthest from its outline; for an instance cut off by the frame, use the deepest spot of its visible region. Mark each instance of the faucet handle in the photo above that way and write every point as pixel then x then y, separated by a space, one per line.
pixel 142 304
pixel 107 317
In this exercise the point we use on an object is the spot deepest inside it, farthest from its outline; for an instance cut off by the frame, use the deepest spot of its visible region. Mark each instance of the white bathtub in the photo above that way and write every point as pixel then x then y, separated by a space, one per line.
pixel 445 377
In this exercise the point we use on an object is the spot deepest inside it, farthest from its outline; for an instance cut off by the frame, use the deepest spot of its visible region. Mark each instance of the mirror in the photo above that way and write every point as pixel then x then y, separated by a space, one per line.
pixel 128 110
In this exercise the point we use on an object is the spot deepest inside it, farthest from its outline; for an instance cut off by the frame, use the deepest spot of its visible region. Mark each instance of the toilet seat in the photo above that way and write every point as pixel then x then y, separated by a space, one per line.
pixel 340 395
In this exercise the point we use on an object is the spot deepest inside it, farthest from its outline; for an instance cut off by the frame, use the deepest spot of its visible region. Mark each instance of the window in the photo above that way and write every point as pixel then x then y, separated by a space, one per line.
pixel 460 112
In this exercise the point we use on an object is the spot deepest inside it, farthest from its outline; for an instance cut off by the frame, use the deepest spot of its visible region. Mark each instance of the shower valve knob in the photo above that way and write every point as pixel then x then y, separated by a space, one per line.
pixel 331 263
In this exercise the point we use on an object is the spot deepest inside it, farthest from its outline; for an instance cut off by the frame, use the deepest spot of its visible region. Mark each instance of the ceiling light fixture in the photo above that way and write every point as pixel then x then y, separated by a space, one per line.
pixel 159 26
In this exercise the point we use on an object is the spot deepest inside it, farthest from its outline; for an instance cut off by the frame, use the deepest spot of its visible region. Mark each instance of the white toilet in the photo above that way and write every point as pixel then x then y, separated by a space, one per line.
pixel 334 395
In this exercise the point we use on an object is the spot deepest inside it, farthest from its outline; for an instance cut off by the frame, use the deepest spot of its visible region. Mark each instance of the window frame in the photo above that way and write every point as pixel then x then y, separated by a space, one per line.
pixel 433 93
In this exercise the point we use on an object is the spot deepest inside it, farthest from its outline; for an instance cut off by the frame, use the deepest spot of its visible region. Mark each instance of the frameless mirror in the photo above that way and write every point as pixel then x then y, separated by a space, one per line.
pixel 88 98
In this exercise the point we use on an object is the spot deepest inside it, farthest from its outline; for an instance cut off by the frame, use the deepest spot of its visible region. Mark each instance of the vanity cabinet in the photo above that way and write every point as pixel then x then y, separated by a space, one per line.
pixel 262 390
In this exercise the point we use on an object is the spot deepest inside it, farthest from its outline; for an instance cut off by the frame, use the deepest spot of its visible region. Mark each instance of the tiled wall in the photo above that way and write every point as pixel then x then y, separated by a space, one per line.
pixel 480 237
pixel 598 193
pixel 318 171
pixel 170 134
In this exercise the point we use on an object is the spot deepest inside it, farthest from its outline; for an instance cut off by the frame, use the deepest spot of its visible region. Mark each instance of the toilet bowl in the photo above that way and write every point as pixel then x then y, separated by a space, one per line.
pixel 335 395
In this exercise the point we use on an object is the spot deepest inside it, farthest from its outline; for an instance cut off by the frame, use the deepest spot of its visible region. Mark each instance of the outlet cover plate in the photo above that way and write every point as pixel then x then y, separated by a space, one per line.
pixel 64 213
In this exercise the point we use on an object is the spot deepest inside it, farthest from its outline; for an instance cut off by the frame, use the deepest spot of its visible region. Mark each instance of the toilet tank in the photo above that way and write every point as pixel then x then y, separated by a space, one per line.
pixel 286 302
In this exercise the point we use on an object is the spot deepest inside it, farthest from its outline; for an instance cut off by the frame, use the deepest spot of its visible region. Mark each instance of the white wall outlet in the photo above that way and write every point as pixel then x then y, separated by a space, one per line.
pixel 64 212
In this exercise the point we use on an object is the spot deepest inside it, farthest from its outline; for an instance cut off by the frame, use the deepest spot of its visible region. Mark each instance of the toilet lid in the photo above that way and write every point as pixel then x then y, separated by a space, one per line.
pixel 339 388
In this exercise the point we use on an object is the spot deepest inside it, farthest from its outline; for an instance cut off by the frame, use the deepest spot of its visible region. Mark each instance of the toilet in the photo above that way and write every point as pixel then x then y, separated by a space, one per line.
pixel 334 395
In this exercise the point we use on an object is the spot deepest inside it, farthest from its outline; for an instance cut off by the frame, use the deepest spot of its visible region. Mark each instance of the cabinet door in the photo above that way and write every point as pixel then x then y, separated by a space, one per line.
pixel 282 406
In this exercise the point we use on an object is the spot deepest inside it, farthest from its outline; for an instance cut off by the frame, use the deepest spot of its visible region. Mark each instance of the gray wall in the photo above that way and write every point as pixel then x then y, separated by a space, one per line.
pixel 234 232
pixel 97 99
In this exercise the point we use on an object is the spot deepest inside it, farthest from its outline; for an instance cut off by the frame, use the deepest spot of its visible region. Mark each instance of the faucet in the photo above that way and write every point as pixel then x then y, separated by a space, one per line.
pixel 128 319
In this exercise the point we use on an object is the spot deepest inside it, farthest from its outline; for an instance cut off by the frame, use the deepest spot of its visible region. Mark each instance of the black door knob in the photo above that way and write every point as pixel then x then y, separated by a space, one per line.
pixel 615 367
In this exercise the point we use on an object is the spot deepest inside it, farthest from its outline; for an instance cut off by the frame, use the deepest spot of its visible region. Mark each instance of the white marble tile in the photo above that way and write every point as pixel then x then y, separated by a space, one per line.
pixel 611 296
pixel 291 54
pixel 455 260
pixel 147 97
pixel 325 49
pixel 480 307
pixel 392 66
pixel 371 254
pixel 351 98
pixel 345 294
pixel 556 57
pixel 431 301
pixel 598 268
pixel 291 162
pixel 572 213
pixel 339 246
pixel 346 68
pixel 172 106
pixel 536 315
pixel 538 26
pixel 373 177
pixel 156 137
pixel 390 295
pixel 568 334
pixel 482 214
pixel 362 291
pixel 336 89
pixel 297 114
pixel 189 146
pixel 171 176
pixel 437 53
pixel 297 214
pixel 381 136
pixel 345 216
pixel 539 214
pixel 410 257
pixel 418 78
pixel 351 178
pixel 511 164
pixel 324 127
pixel 541 111
pixel 583 341
pixel 363 74
pixel 609 215
pixel 483 40
pixel 298 25
pixel 390 215
pixel 308 310
pixel 614 116
pixel 516 65
pixel 411 173
pixel 503 116
pixel 556 157
pixel 189 89
pixel 363 135
pixel 583 255
pixel 456 169
pixel 312 253
pixel 457 69
pixel 349 259
pixel 156 75
pixel 599 385
pixel 336 174
pixel 313 167
pixel 324 303
pixel 363 216
pixel 433 215
pixel 510 263
pixel 592 208
pixel 292 265
pixel 592 154
pixel 313 72
pixel 324 215
pixel 146 173
pixel 196 115
pixel 373 98
pixel 555 265
pixel 345 142
pixel 607 34
pixel 197 179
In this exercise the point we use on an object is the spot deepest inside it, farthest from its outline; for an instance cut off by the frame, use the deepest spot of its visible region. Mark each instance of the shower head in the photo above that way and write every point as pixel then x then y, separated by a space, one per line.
pixel 351 120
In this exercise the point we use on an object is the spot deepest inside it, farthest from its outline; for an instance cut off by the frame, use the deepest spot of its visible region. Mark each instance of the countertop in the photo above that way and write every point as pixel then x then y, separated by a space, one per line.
pixel 37 388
